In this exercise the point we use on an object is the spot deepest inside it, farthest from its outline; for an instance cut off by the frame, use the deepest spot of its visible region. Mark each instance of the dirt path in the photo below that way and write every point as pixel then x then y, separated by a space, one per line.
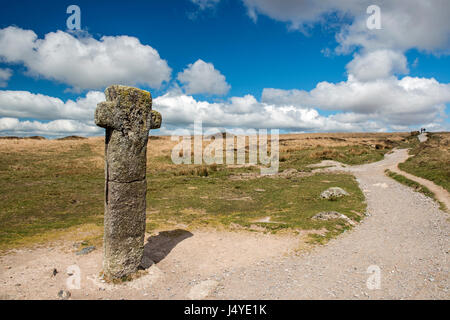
pixel 180 262
pixel 405 237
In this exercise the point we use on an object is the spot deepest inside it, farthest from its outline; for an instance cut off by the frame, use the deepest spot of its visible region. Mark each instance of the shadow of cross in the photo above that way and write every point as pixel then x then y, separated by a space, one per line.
pixel 160 245
pixel 127 116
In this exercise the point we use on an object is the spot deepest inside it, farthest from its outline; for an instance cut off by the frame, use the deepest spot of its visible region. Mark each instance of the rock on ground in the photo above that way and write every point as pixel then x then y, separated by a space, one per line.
pixel 333 192
pixel 330 215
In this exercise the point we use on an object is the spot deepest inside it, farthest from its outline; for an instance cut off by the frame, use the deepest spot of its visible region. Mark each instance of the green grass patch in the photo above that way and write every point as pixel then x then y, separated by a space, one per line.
pixel 41 192
pixel 431 159
pixel 55 190
pixel 218 201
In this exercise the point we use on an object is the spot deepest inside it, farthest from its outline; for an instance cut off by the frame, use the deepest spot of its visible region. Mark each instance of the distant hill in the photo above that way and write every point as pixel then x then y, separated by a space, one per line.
pixel 13 137
pixel 72 138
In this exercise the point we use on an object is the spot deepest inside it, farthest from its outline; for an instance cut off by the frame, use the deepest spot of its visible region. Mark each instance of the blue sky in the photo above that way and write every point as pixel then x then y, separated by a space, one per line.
pixel 233 54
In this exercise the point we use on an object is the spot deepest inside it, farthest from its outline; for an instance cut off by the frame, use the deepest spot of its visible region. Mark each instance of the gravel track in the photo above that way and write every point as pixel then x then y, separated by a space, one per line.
pixel 405 235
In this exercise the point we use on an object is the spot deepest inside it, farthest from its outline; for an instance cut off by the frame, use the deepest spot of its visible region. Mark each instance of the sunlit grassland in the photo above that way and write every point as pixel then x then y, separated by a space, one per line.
pixel 431 159
pixel 51 186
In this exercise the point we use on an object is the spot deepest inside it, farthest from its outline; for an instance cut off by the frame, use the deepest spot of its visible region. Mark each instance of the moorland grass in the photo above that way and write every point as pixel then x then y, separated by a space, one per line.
pixel 431 159
pixel 49 186
pixel 46 191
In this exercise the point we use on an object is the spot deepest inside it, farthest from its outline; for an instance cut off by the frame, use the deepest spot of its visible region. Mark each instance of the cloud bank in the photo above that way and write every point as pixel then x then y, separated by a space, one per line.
pixel 57 117
pixel 5 74
pixel 84 63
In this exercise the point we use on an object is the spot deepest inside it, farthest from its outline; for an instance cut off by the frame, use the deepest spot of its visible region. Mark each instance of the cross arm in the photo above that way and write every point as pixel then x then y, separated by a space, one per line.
pixel 155 120
pixel 105 115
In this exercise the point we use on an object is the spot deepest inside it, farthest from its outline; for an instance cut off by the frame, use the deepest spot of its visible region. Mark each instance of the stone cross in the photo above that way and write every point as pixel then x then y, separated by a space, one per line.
pixel 127 116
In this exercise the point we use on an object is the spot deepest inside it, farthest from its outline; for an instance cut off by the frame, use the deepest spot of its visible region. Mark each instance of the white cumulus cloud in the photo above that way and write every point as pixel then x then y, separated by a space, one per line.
pixel 377 65
pixel 246 112
pixel 405 101
pixel 405 24
pixel 202 78
pixel 52 116
pixel 84 63
pixel 13 126
pixel 24 104
pixel 5 74
pixel 364 106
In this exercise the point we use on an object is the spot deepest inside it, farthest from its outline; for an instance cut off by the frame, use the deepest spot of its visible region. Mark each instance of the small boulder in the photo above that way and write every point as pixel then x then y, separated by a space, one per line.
pixel 64 295
pixel 288 172
pixel 333 192
pixel 331 215
pixel 85 250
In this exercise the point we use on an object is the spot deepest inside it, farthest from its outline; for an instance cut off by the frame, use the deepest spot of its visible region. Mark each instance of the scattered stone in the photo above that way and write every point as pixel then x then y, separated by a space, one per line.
pixel 64 295
pixel 331 215
pixel 288 172
pixel 202 290
pixel 241 199
pixel 333 192
pixel 85 250
pixel 127 116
